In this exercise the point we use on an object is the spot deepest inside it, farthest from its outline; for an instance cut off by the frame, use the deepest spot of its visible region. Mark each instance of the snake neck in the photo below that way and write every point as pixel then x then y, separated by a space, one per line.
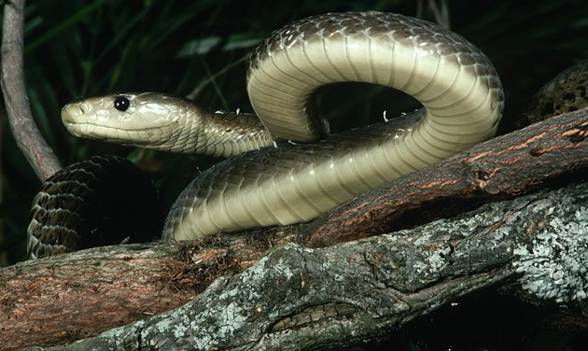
pixel 221 134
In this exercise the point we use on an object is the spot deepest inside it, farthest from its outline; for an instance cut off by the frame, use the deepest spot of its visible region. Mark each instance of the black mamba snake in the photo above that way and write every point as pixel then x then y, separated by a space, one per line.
pixel 287 183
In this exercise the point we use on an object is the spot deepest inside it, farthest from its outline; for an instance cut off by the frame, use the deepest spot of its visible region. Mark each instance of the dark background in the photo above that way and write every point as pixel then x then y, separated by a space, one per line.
pixel 75 49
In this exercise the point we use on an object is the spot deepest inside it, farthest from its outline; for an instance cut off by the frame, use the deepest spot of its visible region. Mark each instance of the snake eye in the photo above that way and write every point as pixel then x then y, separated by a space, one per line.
pixel 121 103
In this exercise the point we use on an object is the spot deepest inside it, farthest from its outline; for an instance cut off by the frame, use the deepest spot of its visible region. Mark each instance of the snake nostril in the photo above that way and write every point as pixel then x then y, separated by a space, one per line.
pixel 82 108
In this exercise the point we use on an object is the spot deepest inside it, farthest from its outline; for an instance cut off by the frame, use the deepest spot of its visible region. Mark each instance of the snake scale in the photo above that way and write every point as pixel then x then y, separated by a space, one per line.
pixel 267 180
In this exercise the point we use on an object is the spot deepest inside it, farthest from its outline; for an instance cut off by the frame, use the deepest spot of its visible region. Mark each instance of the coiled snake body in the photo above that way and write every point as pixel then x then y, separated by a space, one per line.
pixel 457 85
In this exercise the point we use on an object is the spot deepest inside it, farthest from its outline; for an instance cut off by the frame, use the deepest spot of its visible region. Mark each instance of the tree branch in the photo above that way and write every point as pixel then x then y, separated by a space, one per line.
pixel 298 298
pixel 120 278
pixel 25 131
pixel 104 287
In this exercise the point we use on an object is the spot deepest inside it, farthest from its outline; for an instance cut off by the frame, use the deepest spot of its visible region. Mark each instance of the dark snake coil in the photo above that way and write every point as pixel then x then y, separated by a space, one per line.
pixel 96 202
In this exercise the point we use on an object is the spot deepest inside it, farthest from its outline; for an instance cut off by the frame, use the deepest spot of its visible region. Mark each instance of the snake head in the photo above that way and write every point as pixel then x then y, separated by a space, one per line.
pixel 143 119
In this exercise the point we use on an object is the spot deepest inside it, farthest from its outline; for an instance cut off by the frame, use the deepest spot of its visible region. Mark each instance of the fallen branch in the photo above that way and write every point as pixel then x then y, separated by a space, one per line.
pixel 120 278
pixel 298 298
pixel 26 134
pixel 64 298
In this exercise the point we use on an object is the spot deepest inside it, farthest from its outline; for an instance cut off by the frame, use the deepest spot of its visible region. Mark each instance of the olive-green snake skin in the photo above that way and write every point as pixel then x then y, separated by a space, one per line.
pixel 268 181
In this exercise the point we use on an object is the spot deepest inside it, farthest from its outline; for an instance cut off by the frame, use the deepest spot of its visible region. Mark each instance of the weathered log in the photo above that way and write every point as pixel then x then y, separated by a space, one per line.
pixel 297 298
pixel 118 279
pixel 64 298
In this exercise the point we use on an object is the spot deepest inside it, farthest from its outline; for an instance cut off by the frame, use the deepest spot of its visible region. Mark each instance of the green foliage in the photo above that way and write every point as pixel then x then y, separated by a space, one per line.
pixel 76 49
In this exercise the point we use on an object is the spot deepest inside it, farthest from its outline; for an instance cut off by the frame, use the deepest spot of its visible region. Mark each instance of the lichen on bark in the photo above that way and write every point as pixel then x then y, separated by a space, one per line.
pixel 297 298
pixel 555 263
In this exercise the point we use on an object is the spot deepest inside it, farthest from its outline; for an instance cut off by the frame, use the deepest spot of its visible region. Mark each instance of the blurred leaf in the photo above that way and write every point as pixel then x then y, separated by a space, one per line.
pixel 198 46
pixel 241 41
pixel 70 21
pixel 32 24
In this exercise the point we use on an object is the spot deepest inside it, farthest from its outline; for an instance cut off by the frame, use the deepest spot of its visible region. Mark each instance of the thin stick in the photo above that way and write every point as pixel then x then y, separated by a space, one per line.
pixel 440 12
pixel 3 254
pixel 194 93
pixel 25 131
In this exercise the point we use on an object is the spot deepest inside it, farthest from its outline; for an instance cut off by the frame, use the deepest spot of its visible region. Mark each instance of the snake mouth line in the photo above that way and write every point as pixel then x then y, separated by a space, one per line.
pixel 78 126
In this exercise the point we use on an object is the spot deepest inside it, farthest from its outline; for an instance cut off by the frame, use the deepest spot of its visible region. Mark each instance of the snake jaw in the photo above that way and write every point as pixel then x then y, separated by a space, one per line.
pixel 147 121
pixel 142 137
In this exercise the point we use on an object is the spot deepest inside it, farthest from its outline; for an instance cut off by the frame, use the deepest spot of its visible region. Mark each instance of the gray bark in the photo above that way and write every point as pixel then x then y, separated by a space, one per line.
pixel 297 298
pixel 25 131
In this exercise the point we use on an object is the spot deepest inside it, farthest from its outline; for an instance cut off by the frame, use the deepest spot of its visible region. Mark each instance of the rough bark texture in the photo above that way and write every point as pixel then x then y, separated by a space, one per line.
pixel 25 131
pixel 298 298
pixel 65 298
pixel 118 279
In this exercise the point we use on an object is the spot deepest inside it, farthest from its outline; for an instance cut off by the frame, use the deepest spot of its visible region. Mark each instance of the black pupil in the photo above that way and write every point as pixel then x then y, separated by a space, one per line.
pixel 121 103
